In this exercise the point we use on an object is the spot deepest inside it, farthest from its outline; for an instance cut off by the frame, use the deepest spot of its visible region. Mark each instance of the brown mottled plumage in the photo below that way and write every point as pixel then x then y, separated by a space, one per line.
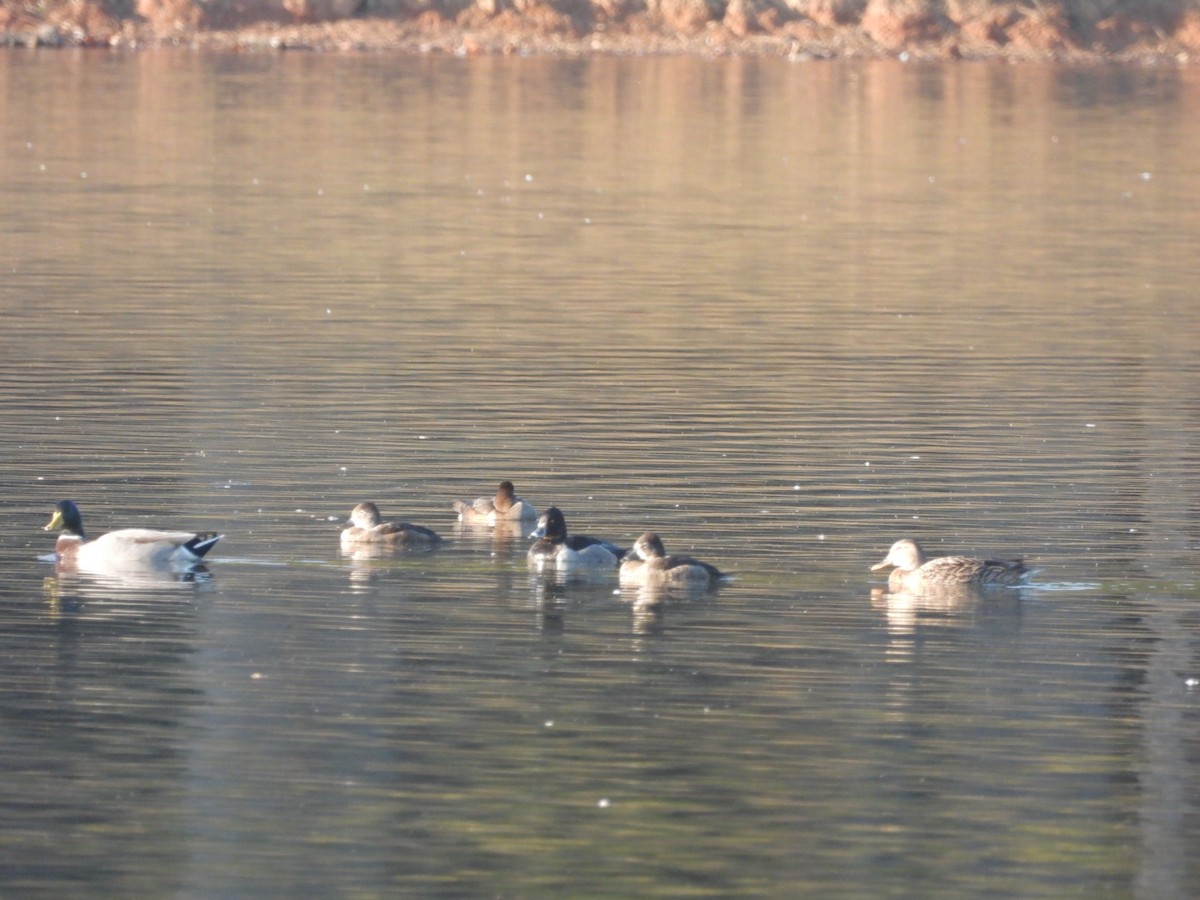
pixel 911 570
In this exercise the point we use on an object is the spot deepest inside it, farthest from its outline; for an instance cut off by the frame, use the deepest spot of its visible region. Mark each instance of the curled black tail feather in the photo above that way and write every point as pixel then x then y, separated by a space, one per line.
pixel 202 543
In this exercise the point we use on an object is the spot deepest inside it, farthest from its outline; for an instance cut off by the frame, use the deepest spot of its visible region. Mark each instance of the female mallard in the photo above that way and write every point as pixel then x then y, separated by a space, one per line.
pixel 650 564
pixel 366 526
pixel 911 570
pixel 137 547
pixel 554 547
pixel 505 506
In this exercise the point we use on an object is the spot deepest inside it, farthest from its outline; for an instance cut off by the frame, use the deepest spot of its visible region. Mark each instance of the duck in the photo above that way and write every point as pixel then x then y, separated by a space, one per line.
pixel 911 570
pixel 366 526
pixel 649 564
pixel 129 547
pixel 554 547
pixel 505 506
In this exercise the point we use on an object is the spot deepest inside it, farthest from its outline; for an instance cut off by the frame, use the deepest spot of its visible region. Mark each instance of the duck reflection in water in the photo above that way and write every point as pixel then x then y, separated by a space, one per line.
pixel 560 596
pixel 123 595
pixel 364 567
pixel 942 604
pixel 550 599
pixel 942 607
pixel 504 538
pixel 650 602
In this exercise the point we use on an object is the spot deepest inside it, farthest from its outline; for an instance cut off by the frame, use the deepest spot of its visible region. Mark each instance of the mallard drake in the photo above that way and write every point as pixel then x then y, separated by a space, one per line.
pixel 135 547
pixel 650 564
pixel 366 526
pixel 505 506
pixel 911 570
pixel 554 547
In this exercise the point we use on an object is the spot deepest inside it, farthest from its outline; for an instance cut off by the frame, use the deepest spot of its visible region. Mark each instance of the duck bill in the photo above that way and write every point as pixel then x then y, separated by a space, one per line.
pixel 55 522
pixel 880 565
pixel 539 532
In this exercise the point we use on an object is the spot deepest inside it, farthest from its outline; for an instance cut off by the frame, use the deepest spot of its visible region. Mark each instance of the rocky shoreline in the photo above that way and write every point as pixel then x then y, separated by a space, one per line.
pixel 1153 31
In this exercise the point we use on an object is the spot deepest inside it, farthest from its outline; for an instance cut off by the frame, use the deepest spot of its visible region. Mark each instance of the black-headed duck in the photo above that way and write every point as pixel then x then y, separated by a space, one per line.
pixel 554 547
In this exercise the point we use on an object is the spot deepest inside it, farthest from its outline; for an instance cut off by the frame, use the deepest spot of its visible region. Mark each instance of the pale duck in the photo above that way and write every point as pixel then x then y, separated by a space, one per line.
pixel 911 570
pixel 129 547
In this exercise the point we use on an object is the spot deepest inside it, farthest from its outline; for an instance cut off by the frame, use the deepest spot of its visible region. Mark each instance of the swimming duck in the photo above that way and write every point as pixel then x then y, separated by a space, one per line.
pixel 506 505
pixel 554 547
pixel 133 547
pixel 366 526
pixel 650 564
pixel 911 570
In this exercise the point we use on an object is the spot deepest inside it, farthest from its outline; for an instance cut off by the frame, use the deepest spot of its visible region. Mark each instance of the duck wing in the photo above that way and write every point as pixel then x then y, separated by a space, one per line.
pixel 406 531
pixel 144 546
pixel 1003 571
pixel 578 542
pixel 677 562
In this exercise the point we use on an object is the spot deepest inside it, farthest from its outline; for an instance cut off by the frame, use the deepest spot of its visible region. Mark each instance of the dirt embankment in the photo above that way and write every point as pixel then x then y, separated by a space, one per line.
pixel 1153 30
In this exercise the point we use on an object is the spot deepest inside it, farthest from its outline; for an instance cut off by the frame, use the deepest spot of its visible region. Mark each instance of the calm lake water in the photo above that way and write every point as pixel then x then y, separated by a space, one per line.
pixel 783 314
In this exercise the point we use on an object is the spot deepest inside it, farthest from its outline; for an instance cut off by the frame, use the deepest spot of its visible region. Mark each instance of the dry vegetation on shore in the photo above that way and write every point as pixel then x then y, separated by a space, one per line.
pixel 942 29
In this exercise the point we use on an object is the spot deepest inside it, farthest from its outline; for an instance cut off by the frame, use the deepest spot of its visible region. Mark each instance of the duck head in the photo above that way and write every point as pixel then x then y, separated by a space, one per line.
pixel 66 518
pixel 365 515
pixel 551 524
pixel 649 546
pixel 905 554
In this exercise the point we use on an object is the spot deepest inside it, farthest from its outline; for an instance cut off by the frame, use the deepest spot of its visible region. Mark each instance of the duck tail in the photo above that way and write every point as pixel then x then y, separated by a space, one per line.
pixel 202 543
pixel 1005 571
pixel 1024 572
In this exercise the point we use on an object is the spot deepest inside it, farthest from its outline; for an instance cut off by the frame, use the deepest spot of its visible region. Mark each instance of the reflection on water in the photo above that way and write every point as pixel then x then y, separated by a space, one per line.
pixel 657 594
pixel 776 313
pixel 99 691
pixel 70 590
pixel 909 613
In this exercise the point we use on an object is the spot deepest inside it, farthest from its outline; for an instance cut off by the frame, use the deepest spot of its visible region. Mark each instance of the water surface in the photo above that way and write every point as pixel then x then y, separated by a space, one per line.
pixel 782 314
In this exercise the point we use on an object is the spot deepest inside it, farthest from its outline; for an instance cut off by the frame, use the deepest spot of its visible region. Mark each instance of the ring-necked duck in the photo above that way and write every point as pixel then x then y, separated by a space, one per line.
pixel 554 547
pixel 650 564
pixel 366 526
